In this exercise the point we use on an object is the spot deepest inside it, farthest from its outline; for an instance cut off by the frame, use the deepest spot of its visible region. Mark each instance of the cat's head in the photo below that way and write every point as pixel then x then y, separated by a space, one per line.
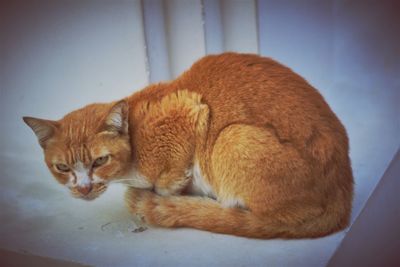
pixel 87 148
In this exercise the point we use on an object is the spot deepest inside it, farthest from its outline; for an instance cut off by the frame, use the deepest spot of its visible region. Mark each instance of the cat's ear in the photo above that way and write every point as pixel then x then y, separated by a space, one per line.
pixel 43 129
pixel 117 118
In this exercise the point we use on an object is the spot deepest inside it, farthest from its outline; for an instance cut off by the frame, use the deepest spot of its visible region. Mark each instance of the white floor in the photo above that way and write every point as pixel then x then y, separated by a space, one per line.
pixel 40 219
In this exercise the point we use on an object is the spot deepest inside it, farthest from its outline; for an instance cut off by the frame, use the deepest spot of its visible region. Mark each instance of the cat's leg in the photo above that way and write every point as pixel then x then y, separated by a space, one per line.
pixel 271 181
pixel 207 214
pixel 172 182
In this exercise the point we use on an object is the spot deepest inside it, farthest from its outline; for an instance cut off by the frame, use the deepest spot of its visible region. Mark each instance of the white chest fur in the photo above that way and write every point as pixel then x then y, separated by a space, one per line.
pixel 199 185
pixel 135 179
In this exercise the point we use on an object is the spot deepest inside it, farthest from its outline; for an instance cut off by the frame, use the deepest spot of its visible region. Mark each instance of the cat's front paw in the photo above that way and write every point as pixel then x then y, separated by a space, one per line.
pixel 140 202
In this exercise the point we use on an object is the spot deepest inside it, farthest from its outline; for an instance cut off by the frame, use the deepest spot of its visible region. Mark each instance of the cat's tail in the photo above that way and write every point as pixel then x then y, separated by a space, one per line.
pixel 207 214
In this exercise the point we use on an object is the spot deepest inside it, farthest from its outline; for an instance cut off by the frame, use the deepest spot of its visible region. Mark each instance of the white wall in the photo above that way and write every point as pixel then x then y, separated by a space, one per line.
pixel 57 56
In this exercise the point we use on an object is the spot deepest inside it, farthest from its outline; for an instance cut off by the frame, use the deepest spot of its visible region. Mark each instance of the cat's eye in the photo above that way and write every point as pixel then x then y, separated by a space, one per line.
pixel 62 167
pixel 100 161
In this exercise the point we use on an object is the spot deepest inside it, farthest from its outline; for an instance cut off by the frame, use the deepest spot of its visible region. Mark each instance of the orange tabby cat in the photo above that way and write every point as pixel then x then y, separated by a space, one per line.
pixel 239 144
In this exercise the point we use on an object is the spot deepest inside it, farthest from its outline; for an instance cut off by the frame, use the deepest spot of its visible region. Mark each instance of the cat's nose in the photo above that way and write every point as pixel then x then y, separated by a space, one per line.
pixel 84 190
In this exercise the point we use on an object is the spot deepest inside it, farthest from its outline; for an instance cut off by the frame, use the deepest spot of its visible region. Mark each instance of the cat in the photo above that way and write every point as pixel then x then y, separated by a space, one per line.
pixel 238 144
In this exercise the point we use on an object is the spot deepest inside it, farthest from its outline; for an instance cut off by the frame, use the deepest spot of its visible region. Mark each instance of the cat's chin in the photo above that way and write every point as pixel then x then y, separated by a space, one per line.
pixel 88 198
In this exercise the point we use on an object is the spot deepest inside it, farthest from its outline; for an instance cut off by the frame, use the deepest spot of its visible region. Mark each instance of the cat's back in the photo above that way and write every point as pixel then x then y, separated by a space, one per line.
pixel 248 79
pixel 250 89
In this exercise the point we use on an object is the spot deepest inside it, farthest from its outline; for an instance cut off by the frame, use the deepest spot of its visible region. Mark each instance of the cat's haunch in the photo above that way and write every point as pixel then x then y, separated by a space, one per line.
pixel 238 144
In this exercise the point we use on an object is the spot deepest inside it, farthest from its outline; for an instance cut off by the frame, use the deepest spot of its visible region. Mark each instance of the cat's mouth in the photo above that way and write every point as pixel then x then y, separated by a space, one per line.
pixel 94 193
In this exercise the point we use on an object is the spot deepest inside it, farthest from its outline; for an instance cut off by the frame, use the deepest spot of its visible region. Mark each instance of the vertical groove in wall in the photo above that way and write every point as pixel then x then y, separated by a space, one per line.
pixel 212 23
pixel 261 26
pixel 185 33
pixel 257 25
pixel 178 32
pixel 147 63
pixel 239 26
pixel 156 40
